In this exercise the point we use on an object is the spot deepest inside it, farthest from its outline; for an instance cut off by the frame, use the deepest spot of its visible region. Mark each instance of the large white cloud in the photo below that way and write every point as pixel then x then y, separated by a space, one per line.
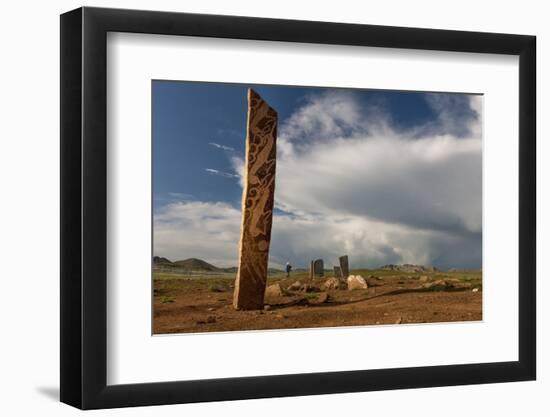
pixel 194 229
pixel 211 231
pixel 349 182
pixel 427 183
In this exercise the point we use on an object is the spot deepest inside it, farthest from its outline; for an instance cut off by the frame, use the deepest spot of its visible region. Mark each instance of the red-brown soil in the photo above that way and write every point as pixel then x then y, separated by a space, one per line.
pixel 205 305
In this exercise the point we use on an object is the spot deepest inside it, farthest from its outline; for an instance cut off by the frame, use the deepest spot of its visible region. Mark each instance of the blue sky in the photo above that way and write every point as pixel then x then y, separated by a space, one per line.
pixel 414 148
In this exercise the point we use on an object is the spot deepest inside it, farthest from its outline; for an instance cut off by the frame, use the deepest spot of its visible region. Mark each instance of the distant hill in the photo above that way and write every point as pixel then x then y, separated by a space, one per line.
pixel 463 270
pixel 195 264
pixel 235 269
pixel 161 261
pixel 409 268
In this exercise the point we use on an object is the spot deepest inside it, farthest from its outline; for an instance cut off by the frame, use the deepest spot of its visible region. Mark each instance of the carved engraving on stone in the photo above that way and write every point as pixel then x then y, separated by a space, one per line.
pixel 257 204
pixel 344 266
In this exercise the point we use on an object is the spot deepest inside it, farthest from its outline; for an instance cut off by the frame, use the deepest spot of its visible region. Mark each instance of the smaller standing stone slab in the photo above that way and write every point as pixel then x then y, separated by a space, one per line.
pixel 311 270
pixel 319 267
pixel 338 272
pixel 344 266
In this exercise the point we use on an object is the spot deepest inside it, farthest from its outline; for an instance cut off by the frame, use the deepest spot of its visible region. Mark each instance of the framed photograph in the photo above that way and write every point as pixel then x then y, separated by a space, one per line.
pixel 257 208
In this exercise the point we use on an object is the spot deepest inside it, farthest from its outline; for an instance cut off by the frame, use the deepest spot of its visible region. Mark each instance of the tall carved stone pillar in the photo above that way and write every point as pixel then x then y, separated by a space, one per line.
pixel 257 204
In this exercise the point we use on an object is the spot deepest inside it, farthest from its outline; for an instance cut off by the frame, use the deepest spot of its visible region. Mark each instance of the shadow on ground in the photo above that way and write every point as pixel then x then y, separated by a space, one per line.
pixel 305 301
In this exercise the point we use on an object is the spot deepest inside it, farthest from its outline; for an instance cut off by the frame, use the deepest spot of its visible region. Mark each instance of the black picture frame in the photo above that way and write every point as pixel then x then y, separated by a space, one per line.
pixel 84 207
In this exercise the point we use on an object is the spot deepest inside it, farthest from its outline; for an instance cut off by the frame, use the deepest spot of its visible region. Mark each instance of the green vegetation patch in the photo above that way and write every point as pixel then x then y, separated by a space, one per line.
pixel 167 299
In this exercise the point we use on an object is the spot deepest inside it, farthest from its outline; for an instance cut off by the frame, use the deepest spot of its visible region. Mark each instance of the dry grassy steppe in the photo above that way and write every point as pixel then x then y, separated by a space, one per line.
pixel 186 303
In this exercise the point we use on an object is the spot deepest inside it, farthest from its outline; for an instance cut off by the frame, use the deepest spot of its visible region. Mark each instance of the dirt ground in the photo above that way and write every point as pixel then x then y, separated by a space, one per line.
pixel 183 305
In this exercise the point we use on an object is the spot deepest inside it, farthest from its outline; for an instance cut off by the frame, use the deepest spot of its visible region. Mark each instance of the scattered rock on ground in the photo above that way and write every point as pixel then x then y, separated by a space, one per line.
pixel 309 288
pixel 475 290
pixel 423 278
pixel 211 319
pixel 274 290
pixel 399 320
pixel 438 285
pixel 357 282
pixel 334 284
pixel 322 298
pixel 267 307
pixel 295 287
